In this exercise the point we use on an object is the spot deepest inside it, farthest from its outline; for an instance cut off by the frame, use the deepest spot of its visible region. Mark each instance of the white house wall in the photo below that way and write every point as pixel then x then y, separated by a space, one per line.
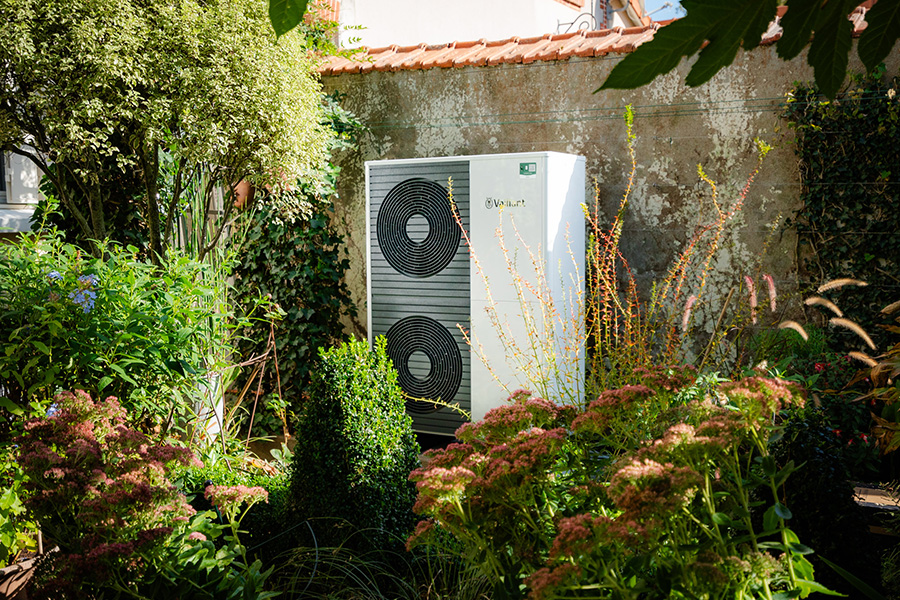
pixel 22 179
pixel 410 22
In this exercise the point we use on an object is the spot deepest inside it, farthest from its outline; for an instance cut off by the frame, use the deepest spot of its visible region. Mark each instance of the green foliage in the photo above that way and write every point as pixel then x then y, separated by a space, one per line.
pixel 101 88
pixel 113 326
pixel 850 168
pixel 555 502
pixel 286 14
pixel 828 377
pixel 300 266
pixel 17 529
pixel 355 447
pixel 717 29
pixel 832 516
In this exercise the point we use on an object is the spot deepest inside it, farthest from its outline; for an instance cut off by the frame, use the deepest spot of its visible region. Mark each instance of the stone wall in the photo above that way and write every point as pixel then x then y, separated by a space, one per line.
pixel 551 105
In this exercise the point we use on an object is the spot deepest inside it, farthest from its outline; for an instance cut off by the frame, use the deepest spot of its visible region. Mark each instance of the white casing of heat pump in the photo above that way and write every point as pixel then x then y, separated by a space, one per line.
pixel 537 199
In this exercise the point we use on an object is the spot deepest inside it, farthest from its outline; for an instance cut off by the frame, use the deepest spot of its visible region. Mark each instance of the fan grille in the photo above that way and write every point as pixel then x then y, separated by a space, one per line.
pixel 423 334
pixel 417 258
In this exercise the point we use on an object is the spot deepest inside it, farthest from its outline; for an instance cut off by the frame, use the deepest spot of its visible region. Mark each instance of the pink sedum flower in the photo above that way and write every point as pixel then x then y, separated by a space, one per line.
pixel 233 496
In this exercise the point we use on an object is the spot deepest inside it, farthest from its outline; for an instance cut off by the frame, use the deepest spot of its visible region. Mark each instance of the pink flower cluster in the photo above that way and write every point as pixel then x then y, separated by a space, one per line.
pixel 706 441
pixel 608 406
pixel 233 496
pixel 442 481
pixel 764 396
pixel 670 378
pixel 646 489
pixel 101 486
pixel 544 582
pixel 522 412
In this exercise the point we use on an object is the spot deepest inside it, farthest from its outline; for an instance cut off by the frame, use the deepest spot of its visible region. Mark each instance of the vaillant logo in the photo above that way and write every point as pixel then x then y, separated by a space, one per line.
pixel 490 203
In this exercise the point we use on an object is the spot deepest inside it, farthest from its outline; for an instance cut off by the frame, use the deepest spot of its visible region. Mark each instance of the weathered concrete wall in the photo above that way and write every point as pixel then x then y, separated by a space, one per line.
pixel 551 106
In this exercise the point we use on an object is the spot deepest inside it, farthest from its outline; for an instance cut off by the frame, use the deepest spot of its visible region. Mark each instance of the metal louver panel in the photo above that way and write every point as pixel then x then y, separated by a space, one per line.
pixel 419 284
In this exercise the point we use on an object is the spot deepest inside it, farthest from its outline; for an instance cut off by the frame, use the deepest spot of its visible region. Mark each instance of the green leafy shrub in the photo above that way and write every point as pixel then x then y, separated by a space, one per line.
pixel 264 525
pixel 112 326
pixel 830 515
pixel 847 225
pixel 549 501
pixel 828 377
pixel 298 262
pixel 355 448
pixel 299 265
pixel 16 528
pixel 100 491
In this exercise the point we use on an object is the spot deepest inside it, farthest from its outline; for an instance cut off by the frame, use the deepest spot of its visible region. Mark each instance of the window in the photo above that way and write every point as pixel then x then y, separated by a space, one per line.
pixel 2 178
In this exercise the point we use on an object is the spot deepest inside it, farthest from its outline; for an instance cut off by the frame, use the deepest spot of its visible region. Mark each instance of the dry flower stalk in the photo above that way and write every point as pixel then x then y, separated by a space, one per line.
pixel 837 283
pixel 819 301
pixel 796 327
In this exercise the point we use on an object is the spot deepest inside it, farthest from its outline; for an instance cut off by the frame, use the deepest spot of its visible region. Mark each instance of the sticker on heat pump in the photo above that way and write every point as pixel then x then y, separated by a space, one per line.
pixel 527 169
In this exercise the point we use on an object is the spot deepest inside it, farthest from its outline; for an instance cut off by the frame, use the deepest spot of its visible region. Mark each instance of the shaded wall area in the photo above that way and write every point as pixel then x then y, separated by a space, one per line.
pixel 552 106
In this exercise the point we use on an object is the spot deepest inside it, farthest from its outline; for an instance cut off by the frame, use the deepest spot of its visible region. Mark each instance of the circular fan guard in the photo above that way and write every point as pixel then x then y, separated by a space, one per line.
pixel 422 258
pixel 423 334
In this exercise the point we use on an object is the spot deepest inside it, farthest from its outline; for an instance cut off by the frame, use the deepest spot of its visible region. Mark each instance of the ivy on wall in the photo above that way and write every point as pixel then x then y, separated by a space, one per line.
pixel 300 264
pixel 849 222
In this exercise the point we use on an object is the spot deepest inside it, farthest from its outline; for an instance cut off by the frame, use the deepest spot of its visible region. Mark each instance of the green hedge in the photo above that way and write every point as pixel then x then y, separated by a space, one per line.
pixel 355 450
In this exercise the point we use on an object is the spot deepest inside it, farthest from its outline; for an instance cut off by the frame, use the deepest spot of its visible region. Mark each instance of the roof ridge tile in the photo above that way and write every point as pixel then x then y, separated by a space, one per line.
pixel 551 46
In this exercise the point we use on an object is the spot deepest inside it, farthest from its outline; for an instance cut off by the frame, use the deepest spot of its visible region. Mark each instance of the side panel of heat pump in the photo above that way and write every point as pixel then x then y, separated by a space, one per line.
pixel 419 282
pixel 535 200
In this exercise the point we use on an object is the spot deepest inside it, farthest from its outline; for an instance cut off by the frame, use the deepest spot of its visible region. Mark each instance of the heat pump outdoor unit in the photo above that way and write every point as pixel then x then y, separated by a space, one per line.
pixel 423 284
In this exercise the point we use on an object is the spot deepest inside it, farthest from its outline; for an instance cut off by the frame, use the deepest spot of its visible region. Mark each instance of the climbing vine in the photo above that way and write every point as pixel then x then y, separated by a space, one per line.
pixel 300 264
pixel 849 222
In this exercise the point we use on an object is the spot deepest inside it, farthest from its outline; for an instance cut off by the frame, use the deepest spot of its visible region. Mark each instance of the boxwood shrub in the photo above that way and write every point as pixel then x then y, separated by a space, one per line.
pixel 355 451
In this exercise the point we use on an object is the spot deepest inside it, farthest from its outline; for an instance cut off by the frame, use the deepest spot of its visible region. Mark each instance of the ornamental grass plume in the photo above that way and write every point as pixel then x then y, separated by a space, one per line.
pixel 773 294
pixel 848 324
pixel 796 327
pixel 686 317
pixel 838 283
pixel 819 301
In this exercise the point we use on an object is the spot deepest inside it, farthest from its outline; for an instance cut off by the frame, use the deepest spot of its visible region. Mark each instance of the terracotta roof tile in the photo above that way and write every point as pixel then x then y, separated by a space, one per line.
pixel 526 50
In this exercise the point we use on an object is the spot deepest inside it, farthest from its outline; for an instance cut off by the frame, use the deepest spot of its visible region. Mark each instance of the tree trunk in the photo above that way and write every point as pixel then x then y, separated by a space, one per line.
pixel 98 219
pixel 150 165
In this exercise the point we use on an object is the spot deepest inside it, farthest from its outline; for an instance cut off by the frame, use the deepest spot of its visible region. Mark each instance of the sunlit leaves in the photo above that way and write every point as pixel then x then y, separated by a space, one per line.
pixel 881 33
pixel 716 29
